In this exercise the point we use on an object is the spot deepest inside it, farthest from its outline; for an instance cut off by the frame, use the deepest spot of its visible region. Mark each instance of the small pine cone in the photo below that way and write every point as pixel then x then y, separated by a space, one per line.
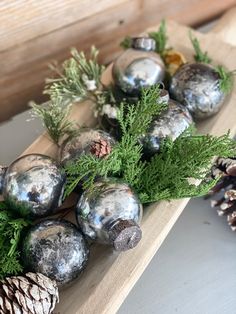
pixel 100 148
pixel 224 167
pixel 32 293
pixel 226 205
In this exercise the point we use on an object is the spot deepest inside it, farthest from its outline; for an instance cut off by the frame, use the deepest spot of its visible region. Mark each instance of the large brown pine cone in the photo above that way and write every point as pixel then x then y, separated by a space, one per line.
pixel 32 293
pixel 226 204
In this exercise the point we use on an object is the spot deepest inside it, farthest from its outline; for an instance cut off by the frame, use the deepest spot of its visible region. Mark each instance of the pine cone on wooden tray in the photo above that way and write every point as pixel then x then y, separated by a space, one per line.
pixel 226 205
pixel 32 293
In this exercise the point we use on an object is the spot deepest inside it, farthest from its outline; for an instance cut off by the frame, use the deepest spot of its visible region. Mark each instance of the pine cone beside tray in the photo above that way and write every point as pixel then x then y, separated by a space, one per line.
pixel 226 205
pixel 32 293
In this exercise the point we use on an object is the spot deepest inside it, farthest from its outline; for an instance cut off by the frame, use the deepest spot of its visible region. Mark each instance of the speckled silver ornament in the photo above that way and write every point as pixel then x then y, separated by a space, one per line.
pixel 2 176
pixel 196 86
pixel 111 214
pixel 93 141
pixel 56 249
pixel 138 67
pixel 34 185
pixel 171 123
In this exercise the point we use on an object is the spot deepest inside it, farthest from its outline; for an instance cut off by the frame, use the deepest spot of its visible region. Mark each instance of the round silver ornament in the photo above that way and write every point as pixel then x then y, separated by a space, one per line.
pixel 96 142
pixel 111 214
pixel 34 185
pixel 197 86
pixel 138 67
pixel 56 249
pixel 2 176
pixel 171 123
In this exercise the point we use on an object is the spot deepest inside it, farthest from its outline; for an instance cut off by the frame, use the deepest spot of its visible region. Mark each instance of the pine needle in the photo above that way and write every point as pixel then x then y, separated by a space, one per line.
pixel 199 56
pixel 160 38
pixel 226 79
pixel 55 118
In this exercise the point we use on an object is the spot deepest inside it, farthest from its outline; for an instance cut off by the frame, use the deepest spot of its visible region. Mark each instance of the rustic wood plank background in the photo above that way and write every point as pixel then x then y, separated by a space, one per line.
pixel 34 33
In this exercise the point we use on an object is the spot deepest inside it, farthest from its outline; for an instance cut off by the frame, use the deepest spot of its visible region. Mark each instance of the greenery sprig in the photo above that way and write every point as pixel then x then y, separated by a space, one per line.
pixel 168 175
pixel 125 159
pixel 78 78
pixel 11 229
pixel 160 38
pixel 199 56
pixel 55 117
pixel 226 78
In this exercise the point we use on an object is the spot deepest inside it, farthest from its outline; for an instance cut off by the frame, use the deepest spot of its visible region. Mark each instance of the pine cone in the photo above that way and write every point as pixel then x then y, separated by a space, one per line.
pixel 226 205
pixel 32 293
pixel 100 148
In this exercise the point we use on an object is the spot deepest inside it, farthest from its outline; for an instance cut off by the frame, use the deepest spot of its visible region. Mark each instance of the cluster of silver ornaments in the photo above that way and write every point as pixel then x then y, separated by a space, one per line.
pixel 33 185
pixel 171 123
pixel 92 141
pixel 110 214
pixel 197 87
pixel 56 249
pixel 139 66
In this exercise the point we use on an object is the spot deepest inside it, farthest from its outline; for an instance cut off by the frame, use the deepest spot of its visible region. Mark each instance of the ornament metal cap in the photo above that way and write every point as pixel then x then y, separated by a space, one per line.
pixel 125 235
pixel 164 95
pixel 2 175
pixel 143 43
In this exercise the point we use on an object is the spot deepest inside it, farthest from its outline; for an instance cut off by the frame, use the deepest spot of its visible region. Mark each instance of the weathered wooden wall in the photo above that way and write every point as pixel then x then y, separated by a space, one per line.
pixel 33 33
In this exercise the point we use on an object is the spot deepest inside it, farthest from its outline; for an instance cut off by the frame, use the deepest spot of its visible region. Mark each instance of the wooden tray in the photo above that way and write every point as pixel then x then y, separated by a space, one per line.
pixel 109 277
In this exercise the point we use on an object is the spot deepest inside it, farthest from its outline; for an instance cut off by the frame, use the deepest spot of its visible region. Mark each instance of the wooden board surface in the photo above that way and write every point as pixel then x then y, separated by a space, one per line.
pixel 34 33
pixel 109 277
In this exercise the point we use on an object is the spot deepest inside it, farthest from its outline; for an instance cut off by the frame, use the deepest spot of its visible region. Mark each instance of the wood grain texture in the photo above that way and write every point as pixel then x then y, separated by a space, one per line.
pixel 48 29
pixel 109 277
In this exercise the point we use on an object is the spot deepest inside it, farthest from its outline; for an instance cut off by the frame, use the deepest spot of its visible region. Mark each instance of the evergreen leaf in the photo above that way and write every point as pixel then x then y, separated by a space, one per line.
pixel 160 38
pixel 199 56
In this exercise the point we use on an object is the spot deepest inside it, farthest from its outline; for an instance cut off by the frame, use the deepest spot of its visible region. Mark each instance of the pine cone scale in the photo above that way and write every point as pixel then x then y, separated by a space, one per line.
pixel 32 294
pixel 226 205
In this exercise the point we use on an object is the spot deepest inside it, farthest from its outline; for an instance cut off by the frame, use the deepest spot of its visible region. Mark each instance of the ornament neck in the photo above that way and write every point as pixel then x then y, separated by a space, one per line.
pixel 124 234
pixel 143 43
pixel 164 96
pixel 2 176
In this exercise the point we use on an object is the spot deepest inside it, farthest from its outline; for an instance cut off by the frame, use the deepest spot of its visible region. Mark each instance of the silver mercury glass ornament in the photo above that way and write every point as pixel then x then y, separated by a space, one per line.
pixel 33 185
pixel 56 249
pixel 139 66
pixel 111 214
pixel 197 86
pixel 171 123
pixel 96 142
pixel 2 176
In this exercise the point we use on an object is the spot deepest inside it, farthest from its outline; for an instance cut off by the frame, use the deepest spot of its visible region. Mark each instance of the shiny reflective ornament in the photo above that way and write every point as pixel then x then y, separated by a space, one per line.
pixel 110 214
pixel 96 142
pixel 138 67
pixel 56 249
pixel 34 185
pixel 171 123
pixel 2 176
pixel 197 86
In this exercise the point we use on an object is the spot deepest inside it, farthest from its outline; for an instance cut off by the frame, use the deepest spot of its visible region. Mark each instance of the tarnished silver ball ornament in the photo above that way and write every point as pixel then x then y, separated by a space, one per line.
pixel 96 142
pixel 2 176
pixel 110 214
pixel 138 67
pixel 171 123
pixel 56 249
pixel 34 185
pixel 197 86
